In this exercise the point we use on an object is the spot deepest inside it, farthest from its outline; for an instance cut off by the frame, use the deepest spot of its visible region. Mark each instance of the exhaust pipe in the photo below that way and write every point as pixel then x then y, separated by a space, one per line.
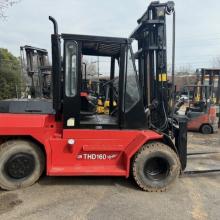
pixel 53 20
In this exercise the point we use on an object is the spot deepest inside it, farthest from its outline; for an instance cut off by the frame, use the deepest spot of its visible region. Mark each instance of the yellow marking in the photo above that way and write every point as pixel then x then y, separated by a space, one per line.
pixel 163 77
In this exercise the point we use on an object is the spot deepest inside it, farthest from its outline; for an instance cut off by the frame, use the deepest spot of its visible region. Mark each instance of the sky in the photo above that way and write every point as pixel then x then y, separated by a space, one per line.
pixel 197 28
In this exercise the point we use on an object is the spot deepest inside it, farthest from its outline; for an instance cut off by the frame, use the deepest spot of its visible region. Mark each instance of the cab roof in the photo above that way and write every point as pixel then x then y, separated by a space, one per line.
pixel 98 45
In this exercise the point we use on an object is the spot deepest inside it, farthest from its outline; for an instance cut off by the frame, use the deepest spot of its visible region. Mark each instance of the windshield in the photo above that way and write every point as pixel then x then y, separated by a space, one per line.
pixel 132 95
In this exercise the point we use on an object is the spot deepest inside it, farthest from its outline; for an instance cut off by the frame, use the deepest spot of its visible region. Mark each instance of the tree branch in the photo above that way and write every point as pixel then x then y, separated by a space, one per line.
pixel 4 5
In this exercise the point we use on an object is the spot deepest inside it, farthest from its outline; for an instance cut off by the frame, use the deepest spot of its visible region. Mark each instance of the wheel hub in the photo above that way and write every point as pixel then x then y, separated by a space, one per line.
pixel 207 129
pixel 156 169
pixel 20 166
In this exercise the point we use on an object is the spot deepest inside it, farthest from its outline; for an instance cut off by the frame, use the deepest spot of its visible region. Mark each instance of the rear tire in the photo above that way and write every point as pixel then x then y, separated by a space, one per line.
pixel 206 129
pixel 21 164
pixel 155 167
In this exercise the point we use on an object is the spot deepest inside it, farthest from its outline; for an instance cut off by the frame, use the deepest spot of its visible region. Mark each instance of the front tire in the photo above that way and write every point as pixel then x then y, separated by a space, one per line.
pixel 155 167
pixel 206 129
pixel 21 164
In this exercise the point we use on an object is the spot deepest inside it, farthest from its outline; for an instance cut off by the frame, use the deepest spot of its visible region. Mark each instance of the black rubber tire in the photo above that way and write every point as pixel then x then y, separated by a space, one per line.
pixel 206 129
pixel 15 147
pixel 150 152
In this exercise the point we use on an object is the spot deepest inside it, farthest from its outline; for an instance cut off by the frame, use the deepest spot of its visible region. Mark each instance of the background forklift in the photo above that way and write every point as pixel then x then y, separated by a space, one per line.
pixel 140 137
pixel 202 112
pixel 36 71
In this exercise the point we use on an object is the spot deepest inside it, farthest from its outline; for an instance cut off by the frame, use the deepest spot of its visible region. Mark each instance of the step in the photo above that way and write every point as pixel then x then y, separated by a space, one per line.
pixel 88 171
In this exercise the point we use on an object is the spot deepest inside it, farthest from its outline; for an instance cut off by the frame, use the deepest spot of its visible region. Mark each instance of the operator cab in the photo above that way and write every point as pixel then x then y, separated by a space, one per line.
pixel 123 89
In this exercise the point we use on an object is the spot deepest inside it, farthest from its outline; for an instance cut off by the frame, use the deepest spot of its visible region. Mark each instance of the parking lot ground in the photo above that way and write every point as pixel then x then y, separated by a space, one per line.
pixel 194 197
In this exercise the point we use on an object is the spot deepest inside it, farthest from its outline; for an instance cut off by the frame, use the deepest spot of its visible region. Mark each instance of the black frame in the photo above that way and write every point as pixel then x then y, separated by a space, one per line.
pixel 135 118
pixel 71 105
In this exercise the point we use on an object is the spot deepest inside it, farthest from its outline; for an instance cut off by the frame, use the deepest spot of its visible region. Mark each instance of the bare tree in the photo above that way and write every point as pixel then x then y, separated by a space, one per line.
pixel 216 62
pixel 4 5
pixel 186 69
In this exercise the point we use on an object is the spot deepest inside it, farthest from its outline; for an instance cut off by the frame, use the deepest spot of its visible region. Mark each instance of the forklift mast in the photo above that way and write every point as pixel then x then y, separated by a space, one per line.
pixel 36 70
pixel 211 78
pixel 152 61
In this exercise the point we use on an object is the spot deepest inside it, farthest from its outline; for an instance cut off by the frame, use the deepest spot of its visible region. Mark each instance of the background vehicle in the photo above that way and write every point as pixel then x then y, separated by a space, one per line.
pixel 185 98
pixel 201 112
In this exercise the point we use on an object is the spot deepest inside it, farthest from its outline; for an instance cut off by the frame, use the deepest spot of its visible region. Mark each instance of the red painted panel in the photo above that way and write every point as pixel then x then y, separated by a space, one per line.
pixel 21 121
pixel 95 152
pixel 40 127
pixel 79 161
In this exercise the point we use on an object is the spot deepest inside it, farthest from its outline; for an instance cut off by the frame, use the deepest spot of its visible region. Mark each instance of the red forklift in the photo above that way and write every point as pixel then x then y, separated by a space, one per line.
pixel 202 112
pixel 141 137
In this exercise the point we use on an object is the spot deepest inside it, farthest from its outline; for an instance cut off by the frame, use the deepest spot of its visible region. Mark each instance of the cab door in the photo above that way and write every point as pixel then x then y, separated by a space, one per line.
pixel 72 82
pixel 133 108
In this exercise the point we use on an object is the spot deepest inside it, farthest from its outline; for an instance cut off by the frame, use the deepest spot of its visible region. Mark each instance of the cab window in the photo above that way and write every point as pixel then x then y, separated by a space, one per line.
pixel 71 69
